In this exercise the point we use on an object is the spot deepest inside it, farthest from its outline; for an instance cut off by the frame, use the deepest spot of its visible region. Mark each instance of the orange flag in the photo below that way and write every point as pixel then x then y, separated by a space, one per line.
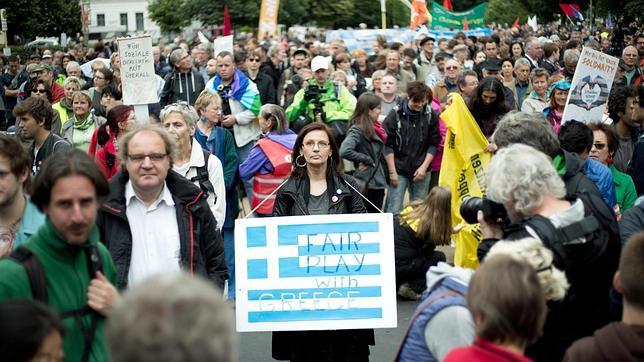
pixel 419 14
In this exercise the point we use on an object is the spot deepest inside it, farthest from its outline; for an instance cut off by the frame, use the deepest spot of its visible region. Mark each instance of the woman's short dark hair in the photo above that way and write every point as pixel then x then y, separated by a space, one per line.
pixel 34 88
pixel 107 73
pixel 24 324
pixel 62 164
pixel 333 163
pixel 113 91
pixel 507 302
pixel 617 101
pixel 611 136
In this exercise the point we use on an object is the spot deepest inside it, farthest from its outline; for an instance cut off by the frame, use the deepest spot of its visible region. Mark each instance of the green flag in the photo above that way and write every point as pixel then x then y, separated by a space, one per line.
pixel 443 18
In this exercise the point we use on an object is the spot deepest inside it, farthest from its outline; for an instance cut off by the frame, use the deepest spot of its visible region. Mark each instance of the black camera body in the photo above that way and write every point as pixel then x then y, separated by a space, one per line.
pixel 312 94
pixel 492 211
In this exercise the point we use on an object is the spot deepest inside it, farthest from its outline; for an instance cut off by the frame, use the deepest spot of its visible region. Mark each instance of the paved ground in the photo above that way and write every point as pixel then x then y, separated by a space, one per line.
pixel 256 347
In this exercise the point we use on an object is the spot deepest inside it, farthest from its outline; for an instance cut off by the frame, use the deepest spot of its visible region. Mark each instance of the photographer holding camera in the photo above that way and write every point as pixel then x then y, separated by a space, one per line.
pixel 580 229
pixel 322 101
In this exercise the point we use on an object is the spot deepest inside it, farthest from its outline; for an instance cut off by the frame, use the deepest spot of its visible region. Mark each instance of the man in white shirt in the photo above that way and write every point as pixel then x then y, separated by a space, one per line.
pixel 155 220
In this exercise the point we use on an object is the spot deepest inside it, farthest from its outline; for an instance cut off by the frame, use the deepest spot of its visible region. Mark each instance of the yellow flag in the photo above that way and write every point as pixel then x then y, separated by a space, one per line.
pixel 268 18
pixel 463 173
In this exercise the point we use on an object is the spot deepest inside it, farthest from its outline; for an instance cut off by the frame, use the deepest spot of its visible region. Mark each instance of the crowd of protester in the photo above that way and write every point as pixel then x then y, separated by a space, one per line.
pixel 96 206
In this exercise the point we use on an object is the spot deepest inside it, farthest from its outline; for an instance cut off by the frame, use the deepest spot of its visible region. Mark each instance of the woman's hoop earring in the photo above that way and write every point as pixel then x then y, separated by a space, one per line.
pixel 298 163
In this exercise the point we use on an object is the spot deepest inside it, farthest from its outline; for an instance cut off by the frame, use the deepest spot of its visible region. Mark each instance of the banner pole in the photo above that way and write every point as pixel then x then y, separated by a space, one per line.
pixel 383 14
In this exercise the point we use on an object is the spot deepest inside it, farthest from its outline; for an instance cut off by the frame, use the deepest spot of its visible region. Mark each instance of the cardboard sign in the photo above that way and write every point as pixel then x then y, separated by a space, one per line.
pixel 590 87
pixel 139 82
pixel 223 43
pixel 315 273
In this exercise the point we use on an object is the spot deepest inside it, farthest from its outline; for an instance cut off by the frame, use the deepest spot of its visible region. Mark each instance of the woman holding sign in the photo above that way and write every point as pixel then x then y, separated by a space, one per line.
pixel 316 187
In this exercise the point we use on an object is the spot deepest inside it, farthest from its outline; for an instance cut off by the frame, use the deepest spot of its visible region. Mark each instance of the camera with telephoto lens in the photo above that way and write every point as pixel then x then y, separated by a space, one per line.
pixel 492 211
pixel 312 92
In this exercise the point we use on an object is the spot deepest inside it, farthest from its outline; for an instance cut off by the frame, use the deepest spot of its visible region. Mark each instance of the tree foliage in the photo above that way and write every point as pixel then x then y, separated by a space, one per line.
pixel 169 15
pixel 44 18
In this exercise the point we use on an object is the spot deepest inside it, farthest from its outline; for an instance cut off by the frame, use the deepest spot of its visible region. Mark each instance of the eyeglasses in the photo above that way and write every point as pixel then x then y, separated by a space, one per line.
pixel 154 157
pixel 39 90
pixel 599 146
pixel 451 68
pixel 321 145
pixel 97 77
pixel 253 60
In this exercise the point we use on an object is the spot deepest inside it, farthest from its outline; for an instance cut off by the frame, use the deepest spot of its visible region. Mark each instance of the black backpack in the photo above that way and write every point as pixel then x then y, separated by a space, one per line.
pixel 203 178
pixel 38 284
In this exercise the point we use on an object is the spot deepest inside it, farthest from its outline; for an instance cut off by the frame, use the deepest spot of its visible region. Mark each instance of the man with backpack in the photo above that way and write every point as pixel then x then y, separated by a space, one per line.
pixel 579 228
pixel 64 264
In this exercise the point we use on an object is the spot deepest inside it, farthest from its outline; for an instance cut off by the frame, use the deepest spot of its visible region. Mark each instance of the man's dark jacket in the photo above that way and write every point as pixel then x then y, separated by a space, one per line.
pixel 201 244
pixel 411 136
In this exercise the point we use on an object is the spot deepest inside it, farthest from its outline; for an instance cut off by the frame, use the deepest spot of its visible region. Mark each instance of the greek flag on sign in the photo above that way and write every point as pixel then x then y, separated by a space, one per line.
pixel 315 272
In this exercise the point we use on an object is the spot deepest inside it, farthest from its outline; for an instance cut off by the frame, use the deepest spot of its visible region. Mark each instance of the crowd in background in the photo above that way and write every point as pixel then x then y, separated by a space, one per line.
pixel 312 128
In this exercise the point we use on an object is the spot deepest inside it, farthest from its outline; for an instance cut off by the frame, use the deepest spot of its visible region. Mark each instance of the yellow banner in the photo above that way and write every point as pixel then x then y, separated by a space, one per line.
pixel 268 18
pixel 463 173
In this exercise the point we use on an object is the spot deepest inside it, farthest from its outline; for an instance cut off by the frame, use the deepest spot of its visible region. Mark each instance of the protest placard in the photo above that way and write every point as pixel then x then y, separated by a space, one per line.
pixel 590 86
pixel 223 43
pixel 315 273
pixel 138 80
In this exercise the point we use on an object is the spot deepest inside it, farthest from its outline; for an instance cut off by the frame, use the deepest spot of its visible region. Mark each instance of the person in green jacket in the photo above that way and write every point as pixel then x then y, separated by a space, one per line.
pixel 605 144
pixel 337 101
pixel 68 190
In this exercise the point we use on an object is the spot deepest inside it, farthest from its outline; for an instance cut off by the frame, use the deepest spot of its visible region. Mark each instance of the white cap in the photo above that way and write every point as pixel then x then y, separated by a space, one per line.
pixel 318 63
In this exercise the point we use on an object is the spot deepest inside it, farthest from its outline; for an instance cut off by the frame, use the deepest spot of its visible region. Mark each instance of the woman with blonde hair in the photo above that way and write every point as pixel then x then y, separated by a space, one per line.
pixel 420 227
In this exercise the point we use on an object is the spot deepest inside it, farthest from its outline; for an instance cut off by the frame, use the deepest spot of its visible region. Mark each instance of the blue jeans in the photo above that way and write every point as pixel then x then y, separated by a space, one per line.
pixel 242 155
pixel 396 195
pixel 229 252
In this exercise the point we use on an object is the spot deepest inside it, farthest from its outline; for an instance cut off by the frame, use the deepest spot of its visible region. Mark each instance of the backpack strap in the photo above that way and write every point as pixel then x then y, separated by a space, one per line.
pixel 550 236
pixel 35 272
pixel 202 176
pixel 94 265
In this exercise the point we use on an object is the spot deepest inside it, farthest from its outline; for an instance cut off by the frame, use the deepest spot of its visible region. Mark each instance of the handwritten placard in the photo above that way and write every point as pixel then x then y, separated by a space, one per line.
pixel 590 86
pixel 315 273
pixel 139 84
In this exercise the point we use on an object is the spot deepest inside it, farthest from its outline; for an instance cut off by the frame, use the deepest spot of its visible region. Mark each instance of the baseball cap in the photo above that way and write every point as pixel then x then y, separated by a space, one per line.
pixel 30 70
pixel 300 51
pixel 40 67
pixel 318 63
pixel 554 37
pixel 491 64
pixel 426 39
pixel 46 55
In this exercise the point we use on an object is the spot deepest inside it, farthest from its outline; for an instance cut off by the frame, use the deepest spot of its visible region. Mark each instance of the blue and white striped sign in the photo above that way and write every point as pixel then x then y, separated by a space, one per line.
pixel 315 272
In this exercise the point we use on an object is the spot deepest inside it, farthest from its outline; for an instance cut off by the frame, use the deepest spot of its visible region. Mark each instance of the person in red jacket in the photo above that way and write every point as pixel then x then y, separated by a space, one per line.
pixel 103 144
pixel 508 307
pixel 269 161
